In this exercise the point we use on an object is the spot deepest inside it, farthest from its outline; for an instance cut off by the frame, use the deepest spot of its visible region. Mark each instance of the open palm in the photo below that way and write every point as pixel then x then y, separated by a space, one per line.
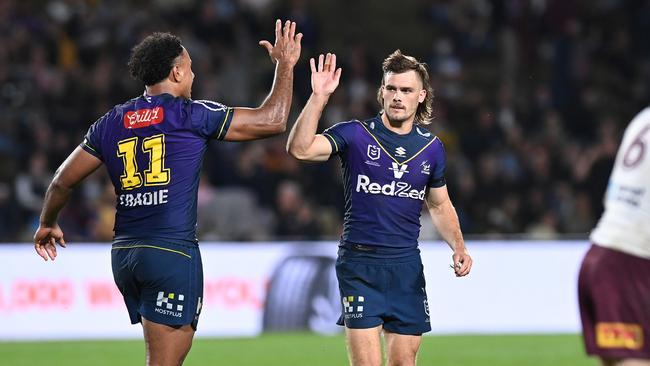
pixel 325 78
pixel 287 43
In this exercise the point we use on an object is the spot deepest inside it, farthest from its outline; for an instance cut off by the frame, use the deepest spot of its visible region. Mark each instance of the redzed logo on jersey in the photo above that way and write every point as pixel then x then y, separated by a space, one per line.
pixel 619 335
pixel 143 117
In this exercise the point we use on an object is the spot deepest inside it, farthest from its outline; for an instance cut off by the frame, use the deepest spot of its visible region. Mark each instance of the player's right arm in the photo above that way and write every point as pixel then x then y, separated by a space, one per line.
pixel 73 170
pixel 303 143
pixel 270 118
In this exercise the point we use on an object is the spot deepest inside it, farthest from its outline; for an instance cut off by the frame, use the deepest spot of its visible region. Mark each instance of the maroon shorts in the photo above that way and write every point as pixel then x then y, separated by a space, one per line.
pixel 614 295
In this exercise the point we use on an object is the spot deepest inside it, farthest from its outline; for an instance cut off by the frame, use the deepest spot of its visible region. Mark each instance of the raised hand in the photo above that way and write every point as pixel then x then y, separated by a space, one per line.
pixel 325 79
pixel 287 44
pixel 45 241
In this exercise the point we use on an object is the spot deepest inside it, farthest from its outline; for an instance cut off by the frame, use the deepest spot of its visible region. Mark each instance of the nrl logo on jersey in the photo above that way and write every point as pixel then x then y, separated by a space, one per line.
pixel 398 170
pixel 143 117
pixel 400 152
pixel 373 152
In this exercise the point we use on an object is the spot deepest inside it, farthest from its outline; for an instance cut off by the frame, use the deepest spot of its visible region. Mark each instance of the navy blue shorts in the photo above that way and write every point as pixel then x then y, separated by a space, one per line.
pixel 161 282
pixel 389 291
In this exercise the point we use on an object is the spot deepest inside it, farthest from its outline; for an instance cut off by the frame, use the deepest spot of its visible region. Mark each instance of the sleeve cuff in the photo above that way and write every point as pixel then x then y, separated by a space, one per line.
pixel 89 149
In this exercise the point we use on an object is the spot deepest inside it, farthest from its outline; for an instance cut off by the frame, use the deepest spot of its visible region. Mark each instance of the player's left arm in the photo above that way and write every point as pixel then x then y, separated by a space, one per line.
pixel 73 170
pixel 445 220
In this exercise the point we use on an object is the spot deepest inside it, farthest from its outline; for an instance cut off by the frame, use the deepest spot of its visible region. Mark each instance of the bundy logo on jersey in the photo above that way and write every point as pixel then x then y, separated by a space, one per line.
pixel 143 117
pixel 373 152
pixel 400 152
pixel 398 170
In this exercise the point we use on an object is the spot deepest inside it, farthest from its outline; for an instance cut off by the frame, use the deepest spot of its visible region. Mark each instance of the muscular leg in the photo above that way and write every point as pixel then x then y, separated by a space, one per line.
pixel 364 346
pixel 166 345
pixel 626 362
pixel 402 349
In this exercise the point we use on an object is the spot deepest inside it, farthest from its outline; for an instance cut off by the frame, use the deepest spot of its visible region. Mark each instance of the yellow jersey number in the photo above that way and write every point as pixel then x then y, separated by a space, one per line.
pixel 156 175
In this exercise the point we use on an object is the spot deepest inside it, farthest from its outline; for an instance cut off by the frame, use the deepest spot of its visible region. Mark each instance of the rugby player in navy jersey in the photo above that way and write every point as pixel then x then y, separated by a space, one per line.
pixel 390 165
pixel 153 147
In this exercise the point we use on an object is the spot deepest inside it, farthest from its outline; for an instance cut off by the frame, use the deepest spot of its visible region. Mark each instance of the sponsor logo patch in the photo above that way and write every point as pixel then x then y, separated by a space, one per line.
pixel 353 307
pixel 398 170
pixel 619 335
pixel 392 189
pixel 165 304
pixel 143 117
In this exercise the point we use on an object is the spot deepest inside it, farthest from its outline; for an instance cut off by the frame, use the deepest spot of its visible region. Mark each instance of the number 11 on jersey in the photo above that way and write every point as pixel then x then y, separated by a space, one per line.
pixel 156 174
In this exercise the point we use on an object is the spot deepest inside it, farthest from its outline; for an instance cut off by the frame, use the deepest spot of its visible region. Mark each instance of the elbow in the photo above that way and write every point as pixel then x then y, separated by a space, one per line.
pixel 281 127
pixel 58 186
pixel 59 183
pixel 278 122
pixel 296 153
pixel 293 152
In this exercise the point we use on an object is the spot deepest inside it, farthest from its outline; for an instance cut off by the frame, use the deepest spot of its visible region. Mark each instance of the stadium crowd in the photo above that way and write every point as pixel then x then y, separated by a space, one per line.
pixel 530 101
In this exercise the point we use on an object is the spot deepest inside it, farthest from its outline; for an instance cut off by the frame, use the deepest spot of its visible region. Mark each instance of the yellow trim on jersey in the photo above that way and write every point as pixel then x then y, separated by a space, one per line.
pixel 389 154
pixel 155 247
pixel 223 123
pixel 90 147
pixel 333 140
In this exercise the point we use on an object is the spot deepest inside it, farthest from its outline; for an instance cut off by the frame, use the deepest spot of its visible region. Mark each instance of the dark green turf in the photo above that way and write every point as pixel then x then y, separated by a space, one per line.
pixel 309 350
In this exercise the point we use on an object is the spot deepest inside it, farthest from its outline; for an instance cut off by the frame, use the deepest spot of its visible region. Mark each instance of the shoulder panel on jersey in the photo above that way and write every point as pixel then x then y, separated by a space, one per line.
pixel 211 105
pixel 344 124
pixel 92 141
pixel 424 132
pixel 210 119
pixel 340 134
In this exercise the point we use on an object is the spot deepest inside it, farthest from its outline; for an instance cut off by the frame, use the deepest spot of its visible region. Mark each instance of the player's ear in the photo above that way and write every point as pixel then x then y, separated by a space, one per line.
pixel 176 74
pixel 422 96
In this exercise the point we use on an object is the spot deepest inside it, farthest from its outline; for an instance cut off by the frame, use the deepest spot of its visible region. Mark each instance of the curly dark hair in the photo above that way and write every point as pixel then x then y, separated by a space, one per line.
pixel 153 58
pixel 397 62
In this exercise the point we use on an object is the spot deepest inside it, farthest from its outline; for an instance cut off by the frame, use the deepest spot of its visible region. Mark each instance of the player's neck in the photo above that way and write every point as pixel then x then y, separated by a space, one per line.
pixel 162 87
pixel 400 128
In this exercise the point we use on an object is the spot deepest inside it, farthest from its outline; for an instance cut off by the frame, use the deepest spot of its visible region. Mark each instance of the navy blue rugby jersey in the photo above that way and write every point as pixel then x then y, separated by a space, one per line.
pixel 153 148
pixel 385 178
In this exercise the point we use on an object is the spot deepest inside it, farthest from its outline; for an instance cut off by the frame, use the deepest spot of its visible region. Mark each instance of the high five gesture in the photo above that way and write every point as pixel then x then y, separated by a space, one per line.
pixel 325 78
pixel 287 43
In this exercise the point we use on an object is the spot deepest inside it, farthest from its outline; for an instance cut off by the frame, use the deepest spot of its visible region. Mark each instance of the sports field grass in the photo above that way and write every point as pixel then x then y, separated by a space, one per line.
pixel 308 350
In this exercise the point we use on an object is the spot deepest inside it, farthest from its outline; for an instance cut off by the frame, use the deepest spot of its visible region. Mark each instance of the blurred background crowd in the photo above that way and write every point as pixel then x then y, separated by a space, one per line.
pixel 531 98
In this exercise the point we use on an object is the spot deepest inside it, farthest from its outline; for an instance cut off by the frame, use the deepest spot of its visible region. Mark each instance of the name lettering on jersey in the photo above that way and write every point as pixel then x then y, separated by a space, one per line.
pixel 398 170
pixel 392 189
pixel 400 152
pixel 143 117
pixel 154 198
pixel 426 167
pixel 374 152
